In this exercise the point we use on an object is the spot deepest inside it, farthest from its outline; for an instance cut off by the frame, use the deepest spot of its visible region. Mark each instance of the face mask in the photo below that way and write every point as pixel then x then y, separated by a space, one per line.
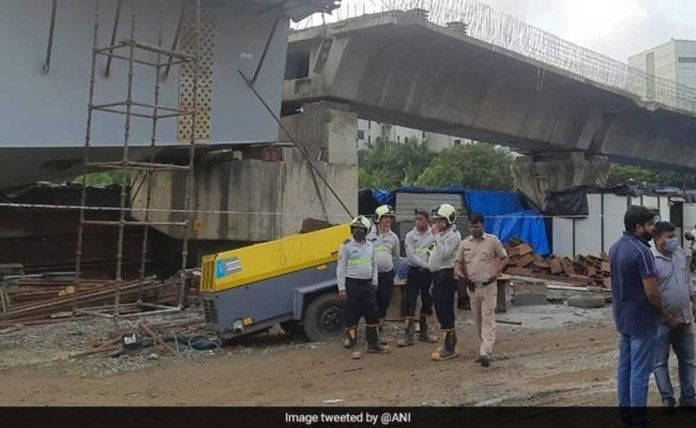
pixel 671 245
pixel 359 234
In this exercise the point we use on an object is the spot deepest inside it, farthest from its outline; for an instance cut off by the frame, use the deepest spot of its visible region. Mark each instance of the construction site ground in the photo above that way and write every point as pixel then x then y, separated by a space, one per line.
pixel 558 356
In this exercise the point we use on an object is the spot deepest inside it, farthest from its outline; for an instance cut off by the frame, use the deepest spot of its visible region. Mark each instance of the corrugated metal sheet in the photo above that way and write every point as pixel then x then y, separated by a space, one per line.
pixel 407 203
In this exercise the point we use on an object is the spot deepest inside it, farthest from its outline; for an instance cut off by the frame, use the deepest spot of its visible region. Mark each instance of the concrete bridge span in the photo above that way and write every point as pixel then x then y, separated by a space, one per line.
pixel 397 67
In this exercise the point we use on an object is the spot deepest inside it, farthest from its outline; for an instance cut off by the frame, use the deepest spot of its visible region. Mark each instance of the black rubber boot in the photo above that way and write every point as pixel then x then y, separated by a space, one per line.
pixel 408 334
pixel 424 336
pixel 352 339
pixel 372 336
pixel 382 340
pixel 448 349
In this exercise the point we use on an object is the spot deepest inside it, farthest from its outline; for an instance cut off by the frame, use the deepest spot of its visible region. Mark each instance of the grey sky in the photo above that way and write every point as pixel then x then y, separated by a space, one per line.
pixel 616 28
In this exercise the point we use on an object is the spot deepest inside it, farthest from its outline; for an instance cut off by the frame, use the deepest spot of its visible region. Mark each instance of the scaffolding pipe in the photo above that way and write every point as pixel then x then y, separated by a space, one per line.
pixel 192 152
pixel 88 138
pixel 49 49
pixel 114 34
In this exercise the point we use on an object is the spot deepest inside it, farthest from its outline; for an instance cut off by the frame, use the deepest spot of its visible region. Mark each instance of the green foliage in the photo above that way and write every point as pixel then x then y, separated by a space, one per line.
pixel 475 166
pixel 388 164
pixel 627 174
pixel 104 179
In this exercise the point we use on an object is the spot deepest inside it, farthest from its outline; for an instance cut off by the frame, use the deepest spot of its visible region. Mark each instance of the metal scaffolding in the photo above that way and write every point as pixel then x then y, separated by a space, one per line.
pixel 132 52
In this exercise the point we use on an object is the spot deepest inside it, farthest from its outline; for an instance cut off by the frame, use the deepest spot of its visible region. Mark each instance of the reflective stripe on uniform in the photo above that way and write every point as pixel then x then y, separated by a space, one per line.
pixel 358 261
pixel 381 248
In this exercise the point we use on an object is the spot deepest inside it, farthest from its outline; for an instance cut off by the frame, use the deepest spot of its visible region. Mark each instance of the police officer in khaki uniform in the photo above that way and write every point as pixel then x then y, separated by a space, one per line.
pixel 356 274
pixel 441 264
pixel 387 252
pixel 481 258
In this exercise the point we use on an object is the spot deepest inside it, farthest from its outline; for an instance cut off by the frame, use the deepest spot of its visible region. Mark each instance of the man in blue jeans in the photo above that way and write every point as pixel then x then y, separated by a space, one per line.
pixel 677 293
pixel 637 309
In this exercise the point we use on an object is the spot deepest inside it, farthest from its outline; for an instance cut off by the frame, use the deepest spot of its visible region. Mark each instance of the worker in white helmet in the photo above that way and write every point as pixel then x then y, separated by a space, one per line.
pixel 419 279
pixel 441 263
pixel 356 273
pixel 387 254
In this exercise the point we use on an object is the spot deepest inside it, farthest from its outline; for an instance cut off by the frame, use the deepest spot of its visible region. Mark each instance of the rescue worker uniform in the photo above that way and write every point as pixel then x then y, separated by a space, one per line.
pixel 387 255
pixel 418 280
pixel 356 273
pixel 480 257
pixel 441 263
pixel 387 252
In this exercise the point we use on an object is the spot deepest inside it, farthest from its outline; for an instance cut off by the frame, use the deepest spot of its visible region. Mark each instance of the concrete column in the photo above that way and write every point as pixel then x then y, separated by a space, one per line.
pixel 327 130
pixel 536 175
pixel 268 199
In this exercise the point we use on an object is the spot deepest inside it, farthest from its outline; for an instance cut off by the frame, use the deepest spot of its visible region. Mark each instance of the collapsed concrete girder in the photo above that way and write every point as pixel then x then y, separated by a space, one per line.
pixel 398 68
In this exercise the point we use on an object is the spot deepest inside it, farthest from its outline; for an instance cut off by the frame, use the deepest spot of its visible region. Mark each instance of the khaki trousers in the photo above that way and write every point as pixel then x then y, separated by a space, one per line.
pixel 483 302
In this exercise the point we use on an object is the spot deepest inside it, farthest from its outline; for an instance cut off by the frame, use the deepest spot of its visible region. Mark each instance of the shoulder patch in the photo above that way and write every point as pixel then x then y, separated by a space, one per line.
pixel 346 241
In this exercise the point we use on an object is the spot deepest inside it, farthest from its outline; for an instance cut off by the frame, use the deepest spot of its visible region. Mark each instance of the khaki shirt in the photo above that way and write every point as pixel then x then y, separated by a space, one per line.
pixel 481 256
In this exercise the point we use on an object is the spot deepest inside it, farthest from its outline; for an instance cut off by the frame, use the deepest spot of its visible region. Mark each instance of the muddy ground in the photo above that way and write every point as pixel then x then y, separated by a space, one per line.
pixel 559 356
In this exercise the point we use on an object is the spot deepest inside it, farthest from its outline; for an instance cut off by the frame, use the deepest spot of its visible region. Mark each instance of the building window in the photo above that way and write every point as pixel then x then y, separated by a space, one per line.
pixel 369 124
pixel 369 139
pixel 423 135
pixel 406 139
pixel 361 134
pixel 457 142
pixel 687 59
pixel 398 139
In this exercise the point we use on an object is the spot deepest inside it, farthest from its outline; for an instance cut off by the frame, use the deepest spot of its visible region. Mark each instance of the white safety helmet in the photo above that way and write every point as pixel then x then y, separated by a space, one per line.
pixel 382 211
pixel 445 211
pixel 362 222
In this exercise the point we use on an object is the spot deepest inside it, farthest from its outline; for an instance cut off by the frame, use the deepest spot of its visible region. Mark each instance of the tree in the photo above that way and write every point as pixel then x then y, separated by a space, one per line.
pixel 388 164
pixel 628 174
pixel 475 166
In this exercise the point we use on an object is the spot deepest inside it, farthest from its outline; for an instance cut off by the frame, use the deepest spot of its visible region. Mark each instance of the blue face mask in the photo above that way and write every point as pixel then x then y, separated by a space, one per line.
pixel 671 245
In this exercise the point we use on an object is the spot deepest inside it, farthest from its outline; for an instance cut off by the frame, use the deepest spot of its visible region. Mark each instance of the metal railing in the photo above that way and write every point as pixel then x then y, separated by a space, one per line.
pixel 491 26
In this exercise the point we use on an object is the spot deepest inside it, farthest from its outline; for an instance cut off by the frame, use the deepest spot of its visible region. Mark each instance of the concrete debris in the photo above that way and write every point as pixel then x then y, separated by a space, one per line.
pixel 586 301
pixel 582 271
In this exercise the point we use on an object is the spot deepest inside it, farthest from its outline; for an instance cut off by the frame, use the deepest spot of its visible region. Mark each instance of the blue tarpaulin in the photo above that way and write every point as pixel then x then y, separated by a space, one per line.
pixel 505 213
pixel 383 196
pixel 526 225
pixel 493 203
pixel 506 218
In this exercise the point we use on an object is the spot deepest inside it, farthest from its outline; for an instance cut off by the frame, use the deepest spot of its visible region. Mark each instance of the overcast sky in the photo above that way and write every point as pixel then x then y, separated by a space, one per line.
pixel 617 28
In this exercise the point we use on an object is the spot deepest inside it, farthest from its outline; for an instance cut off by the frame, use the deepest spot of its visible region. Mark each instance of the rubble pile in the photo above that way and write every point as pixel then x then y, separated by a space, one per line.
pixel 582 271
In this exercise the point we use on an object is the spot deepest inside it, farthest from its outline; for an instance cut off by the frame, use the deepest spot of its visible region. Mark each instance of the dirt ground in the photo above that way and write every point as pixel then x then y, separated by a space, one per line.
pixel 559 356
